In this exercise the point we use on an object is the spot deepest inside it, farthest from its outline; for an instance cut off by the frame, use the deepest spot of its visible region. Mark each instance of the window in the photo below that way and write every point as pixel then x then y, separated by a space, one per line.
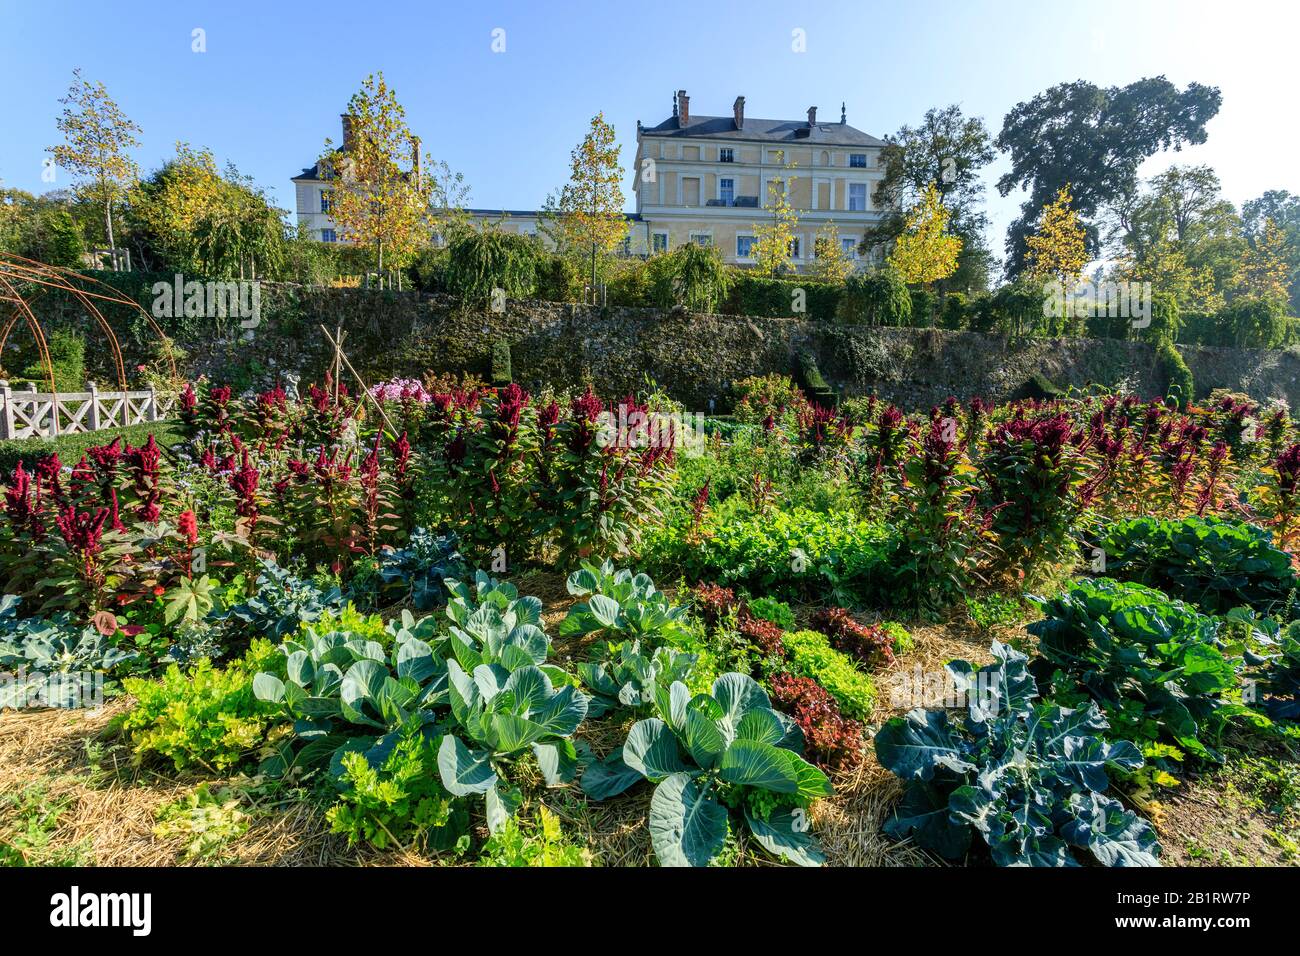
pixel 327 235
pixel 857 197
pixel 324 201
pixel 744 247
pixel 659 242
pixel 726 155
pixel 858 160
pixel 794 248
pixel 702 238
pixel 727 191
pixel 849 246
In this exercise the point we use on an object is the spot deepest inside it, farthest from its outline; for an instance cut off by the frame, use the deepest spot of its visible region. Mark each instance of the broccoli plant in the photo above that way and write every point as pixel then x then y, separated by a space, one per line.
pixel 419 570
pixel 710 752
pixel 1029 777
pixel 282 603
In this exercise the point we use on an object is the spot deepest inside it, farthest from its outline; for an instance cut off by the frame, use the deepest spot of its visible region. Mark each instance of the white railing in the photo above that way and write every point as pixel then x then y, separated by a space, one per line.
pixel 29 413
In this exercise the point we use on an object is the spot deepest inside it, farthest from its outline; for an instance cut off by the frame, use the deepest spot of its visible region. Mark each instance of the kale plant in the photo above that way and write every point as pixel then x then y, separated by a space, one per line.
pixel 1029 777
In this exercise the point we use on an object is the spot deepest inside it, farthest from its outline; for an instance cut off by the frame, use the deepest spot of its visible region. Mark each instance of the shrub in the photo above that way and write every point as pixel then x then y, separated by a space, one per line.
pixel 67 352
pixel 923 306
pixel 207 718
pixel 691 276
pixel 781 298
pixel 953 315
pixel 1215 563
pixel 811 656
pixel 875 297
pixel 1254 323
pixel 1029 778
pixel 558 279
pixel 1279 685
pixel 480 261
pixel 502 373
pixel 1180 389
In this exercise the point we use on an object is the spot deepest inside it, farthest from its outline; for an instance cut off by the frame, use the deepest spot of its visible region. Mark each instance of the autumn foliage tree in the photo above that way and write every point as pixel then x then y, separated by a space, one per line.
pixel 375 195
pixel 591 203
pixel 774 239
pixel 1058 249
pixel 926 251
pixel 96 137
pixel 829 261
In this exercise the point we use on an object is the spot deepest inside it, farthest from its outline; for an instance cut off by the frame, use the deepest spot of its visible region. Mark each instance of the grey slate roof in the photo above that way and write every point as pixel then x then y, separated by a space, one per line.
pixel 764 130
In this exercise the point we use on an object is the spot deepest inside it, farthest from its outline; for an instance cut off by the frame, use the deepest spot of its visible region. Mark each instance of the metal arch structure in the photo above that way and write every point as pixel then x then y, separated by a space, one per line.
pixel 18 273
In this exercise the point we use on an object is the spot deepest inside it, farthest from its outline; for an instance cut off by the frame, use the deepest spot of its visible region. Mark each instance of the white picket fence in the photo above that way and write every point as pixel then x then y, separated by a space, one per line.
pixel 29 413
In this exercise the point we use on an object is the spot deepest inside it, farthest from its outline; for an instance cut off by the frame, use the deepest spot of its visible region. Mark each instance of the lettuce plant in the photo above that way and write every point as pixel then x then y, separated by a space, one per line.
pixel 1155 666
pixel 1028 776
pixel 706 753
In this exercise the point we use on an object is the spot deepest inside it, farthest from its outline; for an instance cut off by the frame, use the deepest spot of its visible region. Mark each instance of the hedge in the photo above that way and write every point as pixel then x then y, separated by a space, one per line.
pixel 71 447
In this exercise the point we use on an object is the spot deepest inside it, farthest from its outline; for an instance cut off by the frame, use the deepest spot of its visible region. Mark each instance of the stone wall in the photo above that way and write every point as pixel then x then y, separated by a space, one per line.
pixel 694 357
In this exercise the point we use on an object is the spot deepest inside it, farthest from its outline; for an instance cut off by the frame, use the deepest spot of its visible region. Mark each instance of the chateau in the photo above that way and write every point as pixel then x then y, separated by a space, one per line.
pixel 711 179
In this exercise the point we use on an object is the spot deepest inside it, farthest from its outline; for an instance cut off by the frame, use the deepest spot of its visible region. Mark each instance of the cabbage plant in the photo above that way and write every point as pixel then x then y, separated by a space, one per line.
pixel 619 603
pixel 622 675
pixel 709 754
pixel 498 714
pixel 1029 777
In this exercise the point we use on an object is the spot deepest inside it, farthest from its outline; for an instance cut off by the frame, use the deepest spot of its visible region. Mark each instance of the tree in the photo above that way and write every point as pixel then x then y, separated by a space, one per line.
pixel 1094 140
pixel 1264 271
pixel 829 261
pixel 96 136
pixel 1283 209
pixel 774 239
pixel 926 251
pixel 197 219
pixel 1058 249
pixel 949 150
pixel 375 196
pixel 447 195
pixel 590 207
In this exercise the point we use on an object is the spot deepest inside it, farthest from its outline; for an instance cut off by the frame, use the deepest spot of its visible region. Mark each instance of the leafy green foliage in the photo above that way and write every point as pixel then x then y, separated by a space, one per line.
pixel 1214 563
pixel 797 553
pixel 1280 684
pixel 481 261
pixel 399 802
pixel 282 603
pixel 619 603
pixel 208 820
pixel 417 571
pixel 207 718
pixel 1155 666
pixel 708 752
pixel 544 843
pixel 620 675
pixel 770 609
pixel 691 276
pixel 811 655
pixel 1029 777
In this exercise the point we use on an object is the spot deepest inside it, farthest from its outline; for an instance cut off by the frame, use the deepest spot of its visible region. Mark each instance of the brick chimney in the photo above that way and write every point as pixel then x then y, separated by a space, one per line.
pixel 812 116
pixel 415 161
pixel 348 139
pixel 738 111
pixel 683 109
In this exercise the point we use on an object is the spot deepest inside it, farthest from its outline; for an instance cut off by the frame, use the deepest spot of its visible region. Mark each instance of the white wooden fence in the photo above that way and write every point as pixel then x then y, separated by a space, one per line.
pixel 29 413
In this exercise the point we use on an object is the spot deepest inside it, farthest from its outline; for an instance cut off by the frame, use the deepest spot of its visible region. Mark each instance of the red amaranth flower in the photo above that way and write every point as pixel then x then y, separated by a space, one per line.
pixel 187 524
pixel 82 530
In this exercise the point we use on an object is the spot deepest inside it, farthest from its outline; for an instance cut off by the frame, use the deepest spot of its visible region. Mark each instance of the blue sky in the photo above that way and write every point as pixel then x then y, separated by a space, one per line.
pixel 275 76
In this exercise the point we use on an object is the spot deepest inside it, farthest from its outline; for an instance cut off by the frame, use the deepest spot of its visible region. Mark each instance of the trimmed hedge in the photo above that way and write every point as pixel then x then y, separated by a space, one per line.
pixel 774 298
pixel 72 447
